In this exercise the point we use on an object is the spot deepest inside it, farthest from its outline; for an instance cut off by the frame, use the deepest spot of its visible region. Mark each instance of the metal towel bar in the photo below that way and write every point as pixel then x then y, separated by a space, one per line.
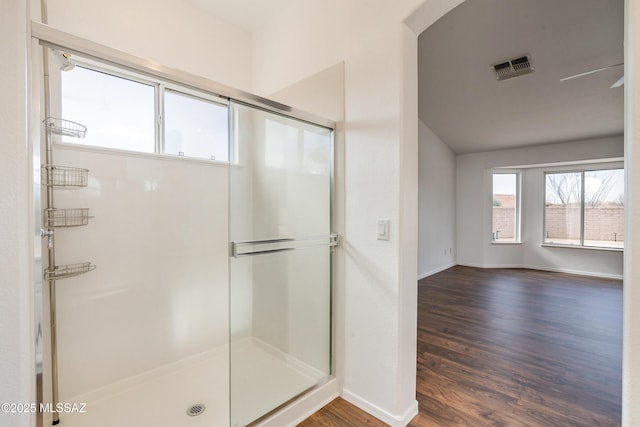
pixel 268 246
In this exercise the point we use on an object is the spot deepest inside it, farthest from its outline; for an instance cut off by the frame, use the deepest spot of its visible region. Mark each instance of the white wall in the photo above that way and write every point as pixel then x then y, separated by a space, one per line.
pixel 473 200
pixel 17 357
pixel 173 33
pixel 437 204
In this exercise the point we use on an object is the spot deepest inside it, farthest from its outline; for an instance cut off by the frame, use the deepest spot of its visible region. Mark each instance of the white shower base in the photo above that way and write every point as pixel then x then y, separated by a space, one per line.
pixel 160 398
pixel 264 378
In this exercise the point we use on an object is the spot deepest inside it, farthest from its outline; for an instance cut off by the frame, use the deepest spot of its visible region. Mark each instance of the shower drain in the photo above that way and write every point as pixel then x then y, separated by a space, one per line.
pixel 196 409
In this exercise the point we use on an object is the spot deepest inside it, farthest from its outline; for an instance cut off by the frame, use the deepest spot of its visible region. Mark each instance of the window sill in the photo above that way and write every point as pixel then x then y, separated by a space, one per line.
pixel 590 248
pixel 140 154
pixel 506 243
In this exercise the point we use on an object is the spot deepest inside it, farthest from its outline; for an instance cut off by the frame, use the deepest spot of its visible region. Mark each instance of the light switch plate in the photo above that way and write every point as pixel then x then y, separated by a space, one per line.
pixel 382 229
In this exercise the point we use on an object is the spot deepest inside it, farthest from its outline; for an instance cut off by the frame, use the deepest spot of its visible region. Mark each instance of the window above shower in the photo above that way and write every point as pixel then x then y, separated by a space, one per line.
pixel 119 112
pixel 132 112
pixel 195 127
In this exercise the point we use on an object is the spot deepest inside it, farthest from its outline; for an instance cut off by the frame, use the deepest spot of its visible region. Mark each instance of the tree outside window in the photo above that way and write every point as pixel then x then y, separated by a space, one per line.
pixel 585 208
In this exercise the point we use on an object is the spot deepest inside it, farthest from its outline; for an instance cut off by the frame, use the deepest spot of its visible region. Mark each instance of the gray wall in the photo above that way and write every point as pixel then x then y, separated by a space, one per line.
pixel 436 204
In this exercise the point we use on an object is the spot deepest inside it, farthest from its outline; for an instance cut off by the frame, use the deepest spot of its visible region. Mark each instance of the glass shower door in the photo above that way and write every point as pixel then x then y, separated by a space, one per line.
pixel 280 265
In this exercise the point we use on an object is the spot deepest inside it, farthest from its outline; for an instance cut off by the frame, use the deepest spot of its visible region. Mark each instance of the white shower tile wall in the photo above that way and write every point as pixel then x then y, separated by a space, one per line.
pixel 159 294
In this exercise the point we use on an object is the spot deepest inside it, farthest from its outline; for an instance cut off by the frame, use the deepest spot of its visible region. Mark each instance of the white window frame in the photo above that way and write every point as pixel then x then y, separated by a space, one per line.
pixel 581 169
pixel 201 96
pixel 517 240
pixel 159 86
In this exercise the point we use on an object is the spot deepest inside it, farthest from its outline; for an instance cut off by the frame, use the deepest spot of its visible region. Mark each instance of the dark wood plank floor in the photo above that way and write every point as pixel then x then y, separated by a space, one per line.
pixel 341 413
pixel 511 347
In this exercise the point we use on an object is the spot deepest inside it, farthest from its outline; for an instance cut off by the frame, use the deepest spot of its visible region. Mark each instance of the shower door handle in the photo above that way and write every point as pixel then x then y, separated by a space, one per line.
pixel 269 246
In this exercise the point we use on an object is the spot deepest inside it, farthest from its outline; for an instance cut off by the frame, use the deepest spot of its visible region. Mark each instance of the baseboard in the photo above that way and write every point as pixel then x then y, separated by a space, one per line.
pixel 577 272
pixel 551 269
pixel 469 264
pixel 400 420
pixel 436 270
pixel 303 407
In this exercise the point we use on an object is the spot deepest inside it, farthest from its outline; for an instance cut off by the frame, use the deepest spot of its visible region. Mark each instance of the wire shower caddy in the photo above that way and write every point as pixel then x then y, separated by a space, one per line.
pixel 53 218
pixel 64 127
pixel 69 270
pixel 64 176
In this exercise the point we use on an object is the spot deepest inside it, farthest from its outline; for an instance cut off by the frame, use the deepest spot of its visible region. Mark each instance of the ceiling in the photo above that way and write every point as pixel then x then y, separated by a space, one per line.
pixel 461 101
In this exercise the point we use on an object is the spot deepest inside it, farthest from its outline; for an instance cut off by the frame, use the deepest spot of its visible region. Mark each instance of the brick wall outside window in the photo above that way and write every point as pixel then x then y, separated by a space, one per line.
pixel 602 223
pixel 503 222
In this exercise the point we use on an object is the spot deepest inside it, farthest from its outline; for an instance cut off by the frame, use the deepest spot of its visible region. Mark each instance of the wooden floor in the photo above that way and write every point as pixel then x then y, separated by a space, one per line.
pixel 505 347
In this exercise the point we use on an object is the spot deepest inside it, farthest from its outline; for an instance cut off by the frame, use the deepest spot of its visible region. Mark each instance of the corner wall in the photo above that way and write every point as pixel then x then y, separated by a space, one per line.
pixel 437 204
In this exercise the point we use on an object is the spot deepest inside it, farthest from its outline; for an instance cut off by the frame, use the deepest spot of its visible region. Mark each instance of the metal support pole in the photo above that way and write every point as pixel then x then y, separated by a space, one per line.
pixel 51 252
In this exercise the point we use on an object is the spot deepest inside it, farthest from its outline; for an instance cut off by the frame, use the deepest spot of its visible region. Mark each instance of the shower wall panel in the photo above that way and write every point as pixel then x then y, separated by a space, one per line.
pixel 159 293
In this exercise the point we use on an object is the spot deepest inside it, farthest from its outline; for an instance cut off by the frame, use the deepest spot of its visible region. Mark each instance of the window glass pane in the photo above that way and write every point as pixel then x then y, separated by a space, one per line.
pixel 563 192
pixel 195 127
pixel 505 207
pixel 118 113
pixel 604 208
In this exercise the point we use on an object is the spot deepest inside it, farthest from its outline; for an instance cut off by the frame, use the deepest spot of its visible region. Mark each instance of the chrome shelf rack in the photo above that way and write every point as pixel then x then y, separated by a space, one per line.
pixel 65 127
pixel 54 218
pixel 64 176
pixel 69 270
pixel 53 176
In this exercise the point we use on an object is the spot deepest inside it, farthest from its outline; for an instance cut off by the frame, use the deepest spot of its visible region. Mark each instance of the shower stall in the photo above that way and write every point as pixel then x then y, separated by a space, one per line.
pixel 190 284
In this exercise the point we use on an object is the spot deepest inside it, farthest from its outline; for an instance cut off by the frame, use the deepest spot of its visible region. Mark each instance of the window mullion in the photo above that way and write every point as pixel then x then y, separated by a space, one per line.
pixel 582 188
pixel 518 219
pixel 159 118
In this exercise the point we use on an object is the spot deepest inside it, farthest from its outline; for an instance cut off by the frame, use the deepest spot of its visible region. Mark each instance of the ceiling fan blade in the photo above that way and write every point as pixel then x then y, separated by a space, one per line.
pixel 618 83
pixel 590 72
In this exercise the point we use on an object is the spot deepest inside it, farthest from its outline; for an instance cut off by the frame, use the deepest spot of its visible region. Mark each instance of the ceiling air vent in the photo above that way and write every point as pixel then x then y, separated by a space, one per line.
pixel 513 68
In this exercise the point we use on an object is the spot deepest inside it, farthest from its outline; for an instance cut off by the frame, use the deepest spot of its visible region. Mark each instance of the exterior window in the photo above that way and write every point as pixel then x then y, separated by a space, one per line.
pixel 127 111
pixel 563 208
pixel 585 208
pixel 506 208
pixel 118 113
pixel 195 127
